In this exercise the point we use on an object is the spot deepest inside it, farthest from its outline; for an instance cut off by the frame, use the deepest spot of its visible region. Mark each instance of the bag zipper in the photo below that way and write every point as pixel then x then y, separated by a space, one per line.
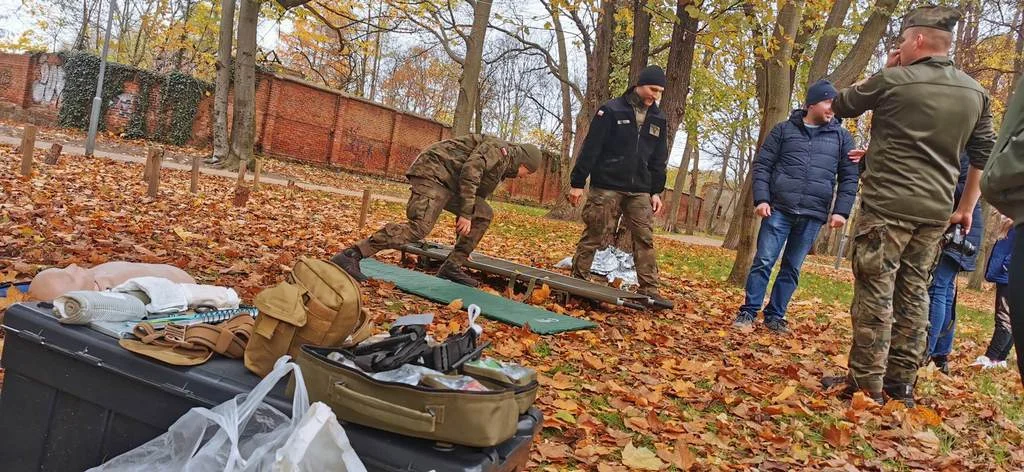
pixel 315 352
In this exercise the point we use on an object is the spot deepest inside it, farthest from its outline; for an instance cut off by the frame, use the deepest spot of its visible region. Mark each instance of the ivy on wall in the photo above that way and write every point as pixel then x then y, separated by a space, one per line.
pixel 137 123
pixel 180 95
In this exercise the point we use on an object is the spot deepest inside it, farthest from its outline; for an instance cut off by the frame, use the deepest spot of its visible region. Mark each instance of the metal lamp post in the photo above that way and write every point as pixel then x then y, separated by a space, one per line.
pixel 94 119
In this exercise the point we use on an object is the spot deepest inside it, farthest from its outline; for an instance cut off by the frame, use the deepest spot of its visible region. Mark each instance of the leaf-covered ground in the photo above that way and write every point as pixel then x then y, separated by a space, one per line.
pixel 652 391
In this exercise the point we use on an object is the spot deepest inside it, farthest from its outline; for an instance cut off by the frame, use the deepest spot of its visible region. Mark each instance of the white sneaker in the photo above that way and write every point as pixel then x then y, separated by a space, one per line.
pixel 996 365
pixel 983 361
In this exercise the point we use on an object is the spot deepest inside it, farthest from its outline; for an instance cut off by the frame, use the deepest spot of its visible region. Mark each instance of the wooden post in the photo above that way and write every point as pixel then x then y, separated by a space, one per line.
pixel 241 190
pixel 154 172
pixel 150 159
pixel 365 208
pixel 28 147
pixel 54 154
pixel 256 175
pixel 242 165
pixel 194 186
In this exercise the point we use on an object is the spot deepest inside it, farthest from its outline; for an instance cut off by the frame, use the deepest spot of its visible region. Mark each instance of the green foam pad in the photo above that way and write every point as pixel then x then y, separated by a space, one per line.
pixel 497 308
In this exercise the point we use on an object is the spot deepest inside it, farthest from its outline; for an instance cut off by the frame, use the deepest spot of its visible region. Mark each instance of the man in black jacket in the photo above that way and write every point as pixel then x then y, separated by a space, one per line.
pixel 794 176
pixel 624 155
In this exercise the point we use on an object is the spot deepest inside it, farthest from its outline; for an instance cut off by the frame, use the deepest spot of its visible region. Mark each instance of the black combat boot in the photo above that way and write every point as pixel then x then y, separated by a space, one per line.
pixel 851 388
pixel 455 274
pixel 349 261
pixel 899 391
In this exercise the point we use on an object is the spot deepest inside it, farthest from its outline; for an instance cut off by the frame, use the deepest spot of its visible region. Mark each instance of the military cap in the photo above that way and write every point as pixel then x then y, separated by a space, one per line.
pixel 932 16
pixel 529 156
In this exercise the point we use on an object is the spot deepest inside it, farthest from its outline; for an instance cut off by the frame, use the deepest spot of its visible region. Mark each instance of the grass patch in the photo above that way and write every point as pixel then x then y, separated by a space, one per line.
pixel 542 349
pixel 565 368
pixel 600 403
pixel 696 264
pixel 715 407
pixel 946 441
pixel 825 288
pixel 894 465
pixel 704 384
pixel 612 420
pixel 865 449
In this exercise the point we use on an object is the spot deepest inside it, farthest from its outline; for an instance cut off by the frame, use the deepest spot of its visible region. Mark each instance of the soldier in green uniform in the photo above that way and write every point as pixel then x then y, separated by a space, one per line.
pixel 926 111
pixel 457 175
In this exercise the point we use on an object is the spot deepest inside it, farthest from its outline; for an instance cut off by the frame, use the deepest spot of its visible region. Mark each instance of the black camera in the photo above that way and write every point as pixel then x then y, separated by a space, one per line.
pixel 955 240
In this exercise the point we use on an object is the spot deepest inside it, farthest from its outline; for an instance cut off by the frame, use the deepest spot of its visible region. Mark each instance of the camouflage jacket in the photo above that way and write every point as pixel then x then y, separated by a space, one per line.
pixel 469 166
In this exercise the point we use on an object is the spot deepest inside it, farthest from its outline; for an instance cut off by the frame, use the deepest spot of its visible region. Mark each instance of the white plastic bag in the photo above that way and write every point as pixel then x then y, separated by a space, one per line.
pixel 240 435
pixel 318 443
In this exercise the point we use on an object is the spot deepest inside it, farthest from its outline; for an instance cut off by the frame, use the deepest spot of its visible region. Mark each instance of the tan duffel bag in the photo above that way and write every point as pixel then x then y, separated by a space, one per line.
pixel 470 418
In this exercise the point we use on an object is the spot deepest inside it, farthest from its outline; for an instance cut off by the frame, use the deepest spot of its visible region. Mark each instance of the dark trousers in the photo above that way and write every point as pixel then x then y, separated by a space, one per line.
pixel 1016 297
pixel 1002 338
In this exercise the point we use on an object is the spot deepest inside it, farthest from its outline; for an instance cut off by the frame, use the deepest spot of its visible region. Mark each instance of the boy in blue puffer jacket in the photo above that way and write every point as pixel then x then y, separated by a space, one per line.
pixel 997 272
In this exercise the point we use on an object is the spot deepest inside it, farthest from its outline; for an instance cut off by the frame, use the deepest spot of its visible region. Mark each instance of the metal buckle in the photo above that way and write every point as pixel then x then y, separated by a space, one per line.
pixel 174 333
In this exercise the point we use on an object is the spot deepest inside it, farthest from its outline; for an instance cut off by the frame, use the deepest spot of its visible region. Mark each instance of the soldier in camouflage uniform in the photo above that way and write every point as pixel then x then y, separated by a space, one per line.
pixel 457 175
pixel 625 156
pixel 925 112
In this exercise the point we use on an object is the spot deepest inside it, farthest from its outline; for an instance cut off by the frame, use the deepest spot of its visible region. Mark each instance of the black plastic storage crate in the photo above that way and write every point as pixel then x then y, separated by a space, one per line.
pixel 72 398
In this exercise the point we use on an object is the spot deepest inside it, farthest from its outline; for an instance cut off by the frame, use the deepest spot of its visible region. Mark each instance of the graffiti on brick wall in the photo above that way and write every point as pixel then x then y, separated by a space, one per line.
pixel 123 105
pixel 47 89
pixel 5 80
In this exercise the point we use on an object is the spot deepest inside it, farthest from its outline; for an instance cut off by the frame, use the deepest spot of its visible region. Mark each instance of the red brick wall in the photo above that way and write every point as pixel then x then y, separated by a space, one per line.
pixel 294 120
pixel 15 78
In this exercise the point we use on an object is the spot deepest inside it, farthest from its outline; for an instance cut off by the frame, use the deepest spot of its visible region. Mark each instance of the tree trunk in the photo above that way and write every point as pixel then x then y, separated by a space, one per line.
pixel 179 55
pixel 376 53
pixel 709 223
pixel 680 69
pixel 672 219
pixel 829 40
pixel 243 125
pixel 470 82
pixel 856 61
pixel 718 229
pixel 775 110
pixel 598 69
pixel 563 65
pixel 641 40
pixel 223 85
pixel 732 234
pixel 691 207
pixel 991 222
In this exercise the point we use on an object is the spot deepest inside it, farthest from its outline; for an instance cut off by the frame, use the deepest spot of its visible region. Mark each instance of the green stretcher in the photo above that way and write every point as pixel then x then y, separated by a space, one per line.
pixel 540 321
pixel 533 277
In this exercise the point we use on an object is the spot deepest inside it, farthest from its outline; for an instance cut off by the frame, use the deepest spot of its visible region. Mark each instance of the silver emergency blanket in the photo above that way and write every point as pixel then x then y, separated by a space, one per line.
pixel 612 263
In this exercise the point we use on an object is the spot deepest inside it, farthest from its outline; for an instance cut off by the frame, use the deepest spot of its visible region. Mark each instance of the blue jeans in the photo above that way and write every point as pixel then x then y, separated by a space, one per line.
pixel 941 322
pixel 797 233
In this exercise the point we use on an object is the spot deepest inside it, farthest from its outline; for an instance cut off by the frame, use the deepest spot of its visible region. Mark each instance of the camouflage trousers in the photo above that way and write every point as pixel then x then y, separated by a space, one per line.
pixel 425 205
pixel 892 264
pixel 600 214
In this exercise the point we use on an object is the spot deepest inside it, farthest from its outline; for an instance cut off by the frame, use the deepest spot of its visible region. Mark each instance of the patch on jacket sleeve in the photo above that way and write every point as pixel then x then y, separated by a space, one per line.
pixel 600 112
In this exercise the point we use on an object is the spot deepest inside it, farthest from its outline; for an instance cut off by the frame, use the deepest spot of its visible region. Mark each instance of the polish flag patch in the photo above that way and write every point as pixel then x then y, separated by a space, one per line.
pixel 600 112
